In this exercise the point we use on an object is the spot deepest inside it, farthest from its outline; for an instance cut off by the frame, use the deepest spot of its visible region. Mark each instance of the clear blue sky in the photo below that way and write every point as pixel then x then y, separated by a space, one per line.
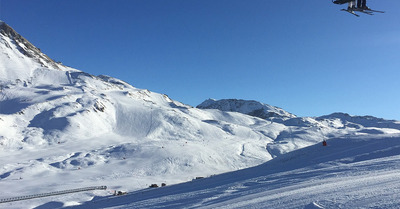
pixel 306 56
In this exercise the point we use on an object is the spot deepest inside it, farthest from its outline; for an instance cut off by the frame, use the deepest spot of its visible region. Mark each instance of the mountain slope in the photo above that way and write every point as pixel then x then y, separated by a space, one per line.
pixel 356 172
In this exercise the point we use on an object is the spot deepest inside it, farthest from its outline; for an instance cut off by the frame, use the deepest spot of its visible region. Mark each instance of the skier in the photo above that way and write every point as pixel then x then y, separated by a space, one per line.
pixel 324 143
pixel 362 4
pixel 352 5
pixel 360 7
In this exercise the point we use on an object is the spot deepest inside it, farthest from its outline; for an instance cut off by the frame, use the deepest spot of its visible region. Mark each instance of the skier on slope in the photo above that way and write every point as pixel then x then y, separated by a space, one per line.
pixel 324 143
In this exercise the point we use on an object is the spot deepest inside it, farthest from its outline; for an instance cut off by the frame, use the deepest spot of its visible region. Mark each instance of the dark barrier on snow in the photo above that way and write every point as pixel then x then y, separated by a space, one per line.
pixel 27 197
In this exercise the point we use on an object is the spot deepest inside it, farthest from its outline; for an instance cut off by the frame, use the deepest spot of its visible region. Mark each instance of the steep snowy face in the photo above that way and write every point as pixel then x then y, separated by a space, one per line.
pixel 247 107
pixel 19 58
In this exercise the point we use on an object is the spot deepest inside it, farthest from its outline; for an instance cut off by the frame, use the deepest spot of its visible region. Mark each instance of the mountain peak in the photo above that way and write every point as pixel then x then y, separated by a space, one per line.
pixel 248 107
pixel 20 55
pixel 8 31
pixel 4 26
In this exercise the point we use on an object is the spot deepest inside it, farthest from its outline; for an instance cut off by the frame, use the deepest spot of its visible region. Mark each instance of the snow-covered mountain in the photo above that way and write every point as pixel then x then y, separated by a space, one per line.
pixel 64 128
pixel 19 58
pixel 252 108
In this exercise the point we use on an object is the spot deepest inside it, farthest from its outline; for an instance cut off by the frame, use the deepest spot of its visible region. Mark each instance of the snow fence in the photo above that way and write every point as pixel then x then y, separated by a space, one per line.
pixel 27 197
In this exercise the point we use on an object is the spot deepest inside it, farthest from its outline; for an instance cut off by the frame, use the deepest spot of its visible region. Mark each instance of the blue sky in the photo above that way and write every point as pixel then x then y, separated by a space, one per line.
pixel 307 57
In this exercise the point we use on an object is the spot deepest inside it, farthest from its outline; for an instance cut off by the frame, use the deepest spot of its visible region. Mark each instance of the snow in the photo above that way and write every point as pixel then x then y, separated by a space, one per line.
pixel 356 172
pixel 61 128
pixel 253 108
pixel 19 59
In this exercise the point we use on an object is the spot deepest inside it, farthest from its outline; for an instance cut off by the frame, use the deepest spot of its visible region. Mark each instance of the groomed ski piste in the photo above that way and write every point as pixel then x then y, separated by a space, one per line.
pixel 62 129
pixel 354 172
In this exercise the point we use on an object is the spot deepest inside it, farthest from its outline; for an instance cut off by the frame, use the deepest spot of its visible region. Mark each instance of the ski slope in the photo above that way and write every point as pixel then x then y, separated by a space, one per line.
pixel 355 172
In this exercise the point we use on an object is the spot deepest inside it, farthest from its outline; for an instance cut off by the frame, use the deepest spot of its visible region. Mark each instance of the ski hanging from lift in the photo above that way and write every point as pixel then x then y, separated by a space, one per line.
pixel 371 10
pixel 350 11
pixel 364 11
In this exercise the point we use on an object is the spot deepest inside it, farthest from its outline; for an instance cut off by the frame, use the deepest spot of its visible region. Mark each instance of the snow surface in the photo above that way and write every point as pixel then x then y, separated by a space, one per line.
pixel 353 172
pixel 61 128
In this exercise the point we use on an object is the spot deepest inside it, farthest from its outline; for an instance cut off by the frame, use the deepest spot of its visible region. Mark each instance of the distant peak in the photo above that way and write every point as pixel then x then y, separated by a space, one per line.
pixel 207 102
pixel 348 117
pixel 249 107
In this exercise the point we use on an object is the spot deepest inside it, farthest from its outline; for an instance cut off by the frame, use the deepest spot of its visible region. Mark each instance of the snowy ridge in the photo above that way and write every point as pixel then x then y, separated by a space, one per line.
pixel 61 123
pixel 366 121
pixel 248 107
pixel 19 58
